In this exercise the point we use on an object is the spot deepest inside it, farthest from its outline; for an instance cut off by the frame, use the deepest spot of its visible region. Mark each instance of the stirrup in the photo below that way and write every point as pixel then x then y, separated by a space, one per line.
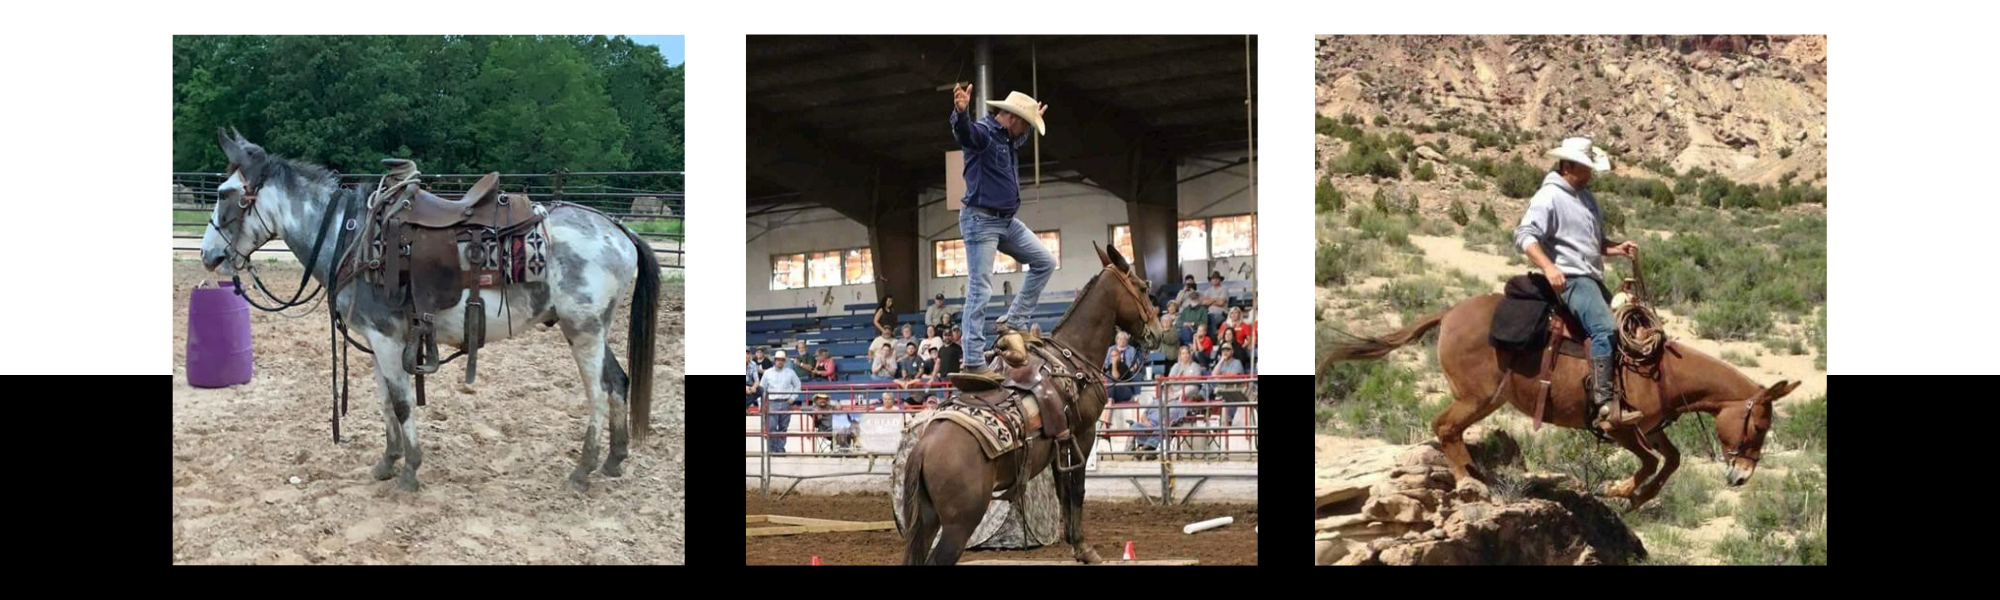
pixel 420 356
pixel 1076 456
pixel 475 334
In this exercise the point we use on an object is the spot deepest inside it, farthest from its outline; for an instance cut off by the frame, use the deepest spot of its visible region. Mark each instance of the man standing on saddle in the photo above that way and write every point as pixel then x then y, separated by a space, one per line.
pixel 1562 233
pixel 987 223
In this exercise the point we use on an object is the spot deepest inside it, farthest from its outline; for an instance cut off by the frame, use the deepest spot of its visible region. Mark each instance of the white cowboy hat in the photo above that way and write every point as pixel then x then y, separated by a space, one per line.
pixel 780 354
pixel 1579 150
pixel 1024 107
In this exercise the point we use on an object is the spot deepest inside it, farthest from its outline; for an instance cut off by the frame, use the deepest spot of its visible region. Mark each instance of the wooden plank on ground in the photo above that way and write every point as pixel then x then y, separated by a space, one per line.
pixel 1170 561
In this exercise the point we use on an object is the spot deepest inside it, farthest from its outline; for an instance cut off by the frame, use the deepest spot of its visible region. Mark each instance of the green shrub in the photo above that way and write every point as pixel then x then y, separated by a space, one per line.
pixel 1331 264
pixel 1328 198
pixel 1442 144
pixel 1518 179
pixel 1731 320
pixel 1784 153
pixel 1349 119
pixel 1381 121
pixel 1457 213
pixel 1378 399
pixel 1803 426
pixel 1386 227
pixel 1739 359
pixel 1424 172
pixel 1473 184
pixel 1819 340
pixel 1368 157
pixel 1486 214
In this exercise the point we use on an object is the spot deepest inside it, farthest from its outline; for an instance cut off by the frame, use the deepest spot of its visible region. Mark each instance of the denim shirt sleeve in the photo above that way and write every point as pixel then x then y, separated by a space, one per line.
pixel 966 131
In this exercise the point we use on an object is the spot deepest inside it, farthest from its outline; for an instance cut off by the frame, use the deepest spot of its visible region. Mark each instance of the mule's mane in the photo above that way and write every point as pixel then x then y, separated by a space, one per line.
pixel 295 174
pixel 1080 294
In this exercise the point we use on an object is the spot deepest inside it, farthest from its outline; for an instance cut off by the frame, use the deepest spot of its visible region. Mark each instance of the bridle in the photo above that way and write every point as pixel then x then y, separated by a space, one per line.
pixel 245 205
pixel 1749 408
pixel 1152 330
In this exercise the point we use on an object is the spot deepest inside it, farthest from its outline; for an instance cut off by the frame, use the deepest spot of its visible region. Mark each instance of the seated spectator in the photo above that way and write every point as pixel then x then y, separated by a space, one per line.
pixel 802 365
pixel 822 423
pixel 763 364
pixel 1227 365
pixel 888 401
pixel 883 366
pixel 1215 299
pixel 1204 346
pixel 1237 325
pixel 1121 364
pixel 1184 367
pixel 1192 313
pixel 935 315
pixel 951 355
pixel 930 400
pixel 910 368
pixel 1148 420
pixel 823 367
pixel 906 340
pixel 928 347
pixel 1171 342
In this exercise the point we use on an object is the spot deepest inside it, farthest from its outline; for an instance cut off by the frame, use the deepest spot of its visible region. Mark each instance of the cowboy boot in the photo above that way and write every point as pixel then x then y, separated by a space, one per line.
pixel 1610 413
pixel 1054 424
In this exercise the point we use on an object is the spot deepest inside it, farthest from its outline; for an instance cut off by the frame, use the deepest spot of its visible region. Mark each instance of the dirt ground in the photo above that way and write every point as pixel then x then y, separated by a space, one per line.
pixel 1155 532
pixel 493 465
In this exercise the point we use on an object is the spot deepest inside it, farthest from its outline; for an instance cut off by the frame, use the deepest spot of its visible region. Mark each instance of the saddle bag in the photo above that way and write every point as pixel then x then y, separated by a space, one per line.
pixel 1521 322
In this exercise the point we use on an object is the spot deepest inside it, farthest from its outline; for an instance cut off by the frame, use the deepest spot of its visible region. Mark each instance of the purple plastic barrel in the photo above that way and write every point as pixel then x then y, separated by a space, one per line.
pixel 218 341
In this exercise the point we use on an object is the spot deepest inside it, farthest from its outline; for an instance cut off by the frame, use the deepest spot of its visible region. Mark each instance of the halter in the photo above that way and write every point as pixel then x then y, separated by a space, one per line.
pixel 1749 406
pixel 1125 283
pixel 247 205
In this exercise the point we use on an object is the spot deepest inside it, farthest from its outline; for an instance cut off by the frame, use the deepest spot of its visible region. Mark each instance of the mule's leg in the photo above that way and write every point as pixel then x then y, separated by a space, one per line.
pixel 586 341
pixel 393 436
pixel 617 387
pixel 1450 427
pixel 1648 463
pixel 959 481
pixel 1672 458
pixel 1069 491
pixel 951 542
pixel 399 405
pixel 923 532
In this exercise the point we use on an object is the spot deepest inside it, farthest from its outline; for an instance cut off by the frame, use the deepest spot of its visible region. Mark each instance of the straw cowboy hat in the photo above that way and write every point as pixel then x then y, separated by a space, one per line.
pixel 1579 150
pixel 780 354
pixel 1022 106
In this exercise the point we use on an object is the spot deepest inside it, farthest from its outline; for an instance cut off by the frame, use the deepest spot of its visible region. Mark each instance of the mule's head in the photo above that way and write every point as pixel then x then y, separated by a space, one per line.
pixel 1133 306
pixel 239 224
pixel 1742 425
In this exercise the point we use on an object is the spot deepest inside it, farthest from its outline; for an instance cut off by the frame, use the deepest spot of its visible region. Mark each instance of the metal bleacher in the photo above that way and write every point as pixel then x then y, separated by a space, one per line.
pixel 845 332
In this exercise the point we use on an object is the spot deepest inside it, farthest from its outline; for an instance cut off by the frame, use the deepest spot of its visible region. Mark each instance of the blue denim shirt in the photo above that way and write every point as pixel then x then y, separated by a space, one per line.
pixel 992 171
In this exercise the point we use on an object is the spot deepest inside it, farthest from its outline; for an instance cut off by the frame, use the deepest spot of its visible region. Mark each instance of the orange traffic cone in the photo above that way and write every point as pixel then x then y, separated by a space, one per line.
pixel 815 561
pixel 1128 550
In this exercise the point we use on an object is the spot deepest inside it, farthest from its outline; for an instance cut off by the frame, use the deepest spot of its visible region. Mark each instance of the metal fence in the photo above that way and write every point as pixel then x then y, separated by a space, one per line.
pixel 1180 422
pixel 653 203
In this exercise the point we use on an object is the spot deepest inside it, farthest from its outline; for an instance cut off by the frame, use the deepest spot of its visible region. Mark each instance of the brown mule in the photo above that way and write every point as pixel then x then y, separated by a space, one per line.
pixel 1483 379
pixel 948 481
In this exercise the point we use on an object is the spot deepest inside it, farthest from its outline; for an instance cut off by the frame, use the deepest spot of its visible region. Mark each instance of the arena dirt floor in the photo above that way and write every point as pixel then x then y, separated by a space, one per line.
pixel 493 466
pixel 1155 532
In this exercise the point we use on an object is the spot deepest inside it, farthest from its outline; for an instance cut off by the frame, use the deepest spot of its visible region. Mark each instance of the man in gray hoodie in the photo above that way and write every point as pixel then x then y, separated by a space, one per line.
pixel 1562 233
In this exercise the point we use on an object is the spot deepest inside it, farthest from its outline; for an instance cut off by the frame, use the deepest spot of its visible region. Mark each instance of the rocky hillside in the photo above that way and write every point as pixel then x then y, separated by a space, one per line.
pixel 1750 108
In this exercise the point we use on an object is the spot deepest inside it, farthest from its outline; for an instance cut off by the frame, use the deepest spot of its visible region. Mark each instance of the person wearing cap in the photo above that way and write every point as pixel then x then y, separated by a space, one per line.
pixel 1216 300
pixel 1562 234
pixel 935 315
pixel 987 223
pixel 781 385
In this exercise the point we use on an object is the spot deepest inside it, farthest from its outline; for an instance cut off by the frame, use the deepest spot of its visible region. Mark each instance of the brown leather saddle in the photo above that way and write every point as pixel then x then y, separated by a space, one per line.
pixel 423 253
pixel 1027 366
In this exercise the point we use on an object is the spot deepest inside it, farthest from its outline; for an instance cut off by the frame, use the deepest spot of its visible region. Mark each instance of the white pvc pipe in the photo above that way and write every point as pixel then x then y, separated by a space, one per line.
pixel 1207 525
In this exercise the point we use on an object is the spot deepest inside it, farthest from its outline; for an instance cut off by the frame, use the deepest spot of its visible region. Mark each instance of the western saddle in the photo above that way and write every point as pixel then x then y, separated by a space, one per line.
pixel 423 252
pixel 1020 363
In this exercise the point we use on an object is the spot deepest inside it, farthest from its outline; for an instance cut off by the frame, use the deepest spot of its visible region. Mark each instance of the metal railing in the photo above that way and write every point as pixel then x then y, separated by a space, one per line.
pixel 1181 421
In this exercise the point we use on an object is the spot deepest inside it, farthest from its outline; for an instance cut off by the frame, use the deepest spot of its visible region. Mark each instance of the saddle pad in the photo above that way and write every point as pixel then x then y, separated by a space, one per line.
pixel 998 431
pixel 1520 324
pixel 525 260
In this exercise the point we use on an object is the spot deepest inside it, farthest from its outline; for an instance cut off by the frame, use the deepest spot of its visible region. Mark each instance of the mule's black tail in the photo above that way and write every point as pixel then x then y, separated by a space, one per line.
pixel 645 317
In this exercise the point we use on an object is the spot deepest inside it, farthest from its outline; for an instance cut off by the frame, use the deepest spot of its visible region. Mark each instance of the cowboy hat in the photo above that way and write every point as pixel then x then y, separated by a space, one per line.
pixel 1024 107
pixel 780 354
pixel 1579 150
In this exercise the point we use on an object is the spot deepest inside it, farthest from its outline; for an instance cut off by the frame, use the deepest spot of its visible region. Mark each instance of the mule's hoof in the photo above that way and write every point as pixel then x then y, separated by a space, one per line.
pixel 1622 489
pixel 408 483
pixel 1088 556
pixel 579 482
pixel 613 469
pixel 383 470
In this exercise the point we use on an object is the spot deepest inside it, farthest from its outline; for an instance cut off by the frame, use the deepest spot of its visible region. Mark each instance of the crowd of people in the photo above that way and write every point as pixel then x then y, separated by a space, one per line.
pixel 1210 338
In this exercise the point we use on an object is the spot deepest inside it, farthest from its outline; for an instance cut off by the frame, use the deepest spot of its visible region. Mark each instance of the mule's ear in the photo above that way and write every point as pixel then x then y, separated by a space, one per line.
pixel 230 149
pixel 1780 389
pixel 1119 259
pixel 1100 253
pixel 239 135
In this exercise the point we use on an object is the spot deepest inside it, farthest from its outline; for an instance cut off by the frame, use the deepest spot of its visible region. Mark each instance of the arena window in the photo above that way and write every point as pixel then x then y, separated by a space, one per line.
pixel 1233 236
pixel 822 269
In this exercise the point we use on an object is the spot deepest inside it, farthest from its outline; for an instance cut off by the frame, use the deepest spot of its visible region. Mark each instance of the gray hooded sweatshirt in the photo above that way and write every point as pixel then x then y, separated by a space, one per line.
pixel 1568 226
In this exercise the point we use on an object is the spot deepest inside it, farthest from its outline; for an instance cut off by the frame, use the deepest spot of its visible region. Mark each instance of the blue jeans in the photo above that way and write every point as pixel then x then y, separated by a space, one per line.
pixel 1585 297
pixel 778 424
pixel 985 232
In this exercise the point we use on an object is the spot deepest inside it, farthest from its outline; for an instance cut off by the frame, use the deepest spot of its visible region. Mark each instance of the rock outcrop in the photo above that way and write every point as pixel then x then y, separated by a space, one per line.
pixel 1397 505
